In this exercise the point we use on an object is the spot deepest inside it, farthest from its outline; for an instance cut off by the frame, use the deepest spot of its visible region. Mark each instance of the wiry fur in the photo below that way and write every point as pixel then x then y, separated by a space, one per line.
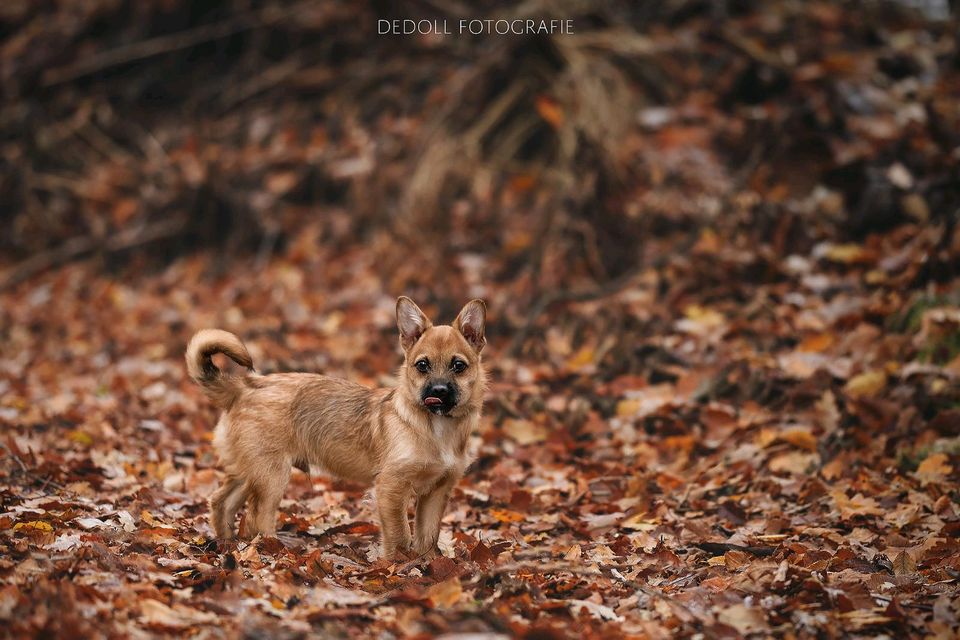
pixel 384 437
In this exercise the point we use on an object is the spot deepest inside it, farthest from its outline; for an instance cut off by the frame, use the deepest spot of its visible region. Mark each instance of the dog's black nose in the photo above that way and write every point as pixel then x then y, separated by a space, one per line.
pixel 441 391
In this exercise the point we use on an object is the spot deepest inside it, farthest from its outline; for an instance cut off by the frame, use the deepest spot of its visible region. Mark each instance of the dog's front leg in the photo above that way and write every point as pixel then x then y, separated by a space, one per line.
pixel 430 508
pixel 393 492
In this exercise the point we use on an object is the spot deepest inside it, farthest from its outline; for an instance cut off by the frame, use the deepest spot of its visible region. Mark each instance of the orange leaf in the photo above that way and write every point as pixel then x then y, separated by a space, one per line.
pixel 550 110
pixel 522 183
pixel 506 515
pixel 934 469
pixel 816 343
pixel 800 437
pixel 446 593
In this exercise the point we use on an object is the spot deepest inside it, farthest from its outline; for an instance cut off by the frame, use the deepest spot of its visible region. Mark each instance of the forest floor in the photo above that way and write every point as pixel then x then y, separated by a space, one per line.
pixel 723 403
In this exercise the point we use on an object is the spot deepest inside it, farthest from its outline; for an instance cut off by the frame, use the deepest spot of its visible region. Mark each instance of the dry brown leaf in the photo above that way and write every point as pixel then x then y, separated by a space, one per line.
pixel 934 469
pixel 700 321
pixel 858 505
pixel 735 560
pixel 794 462
pixel 904 564
pixel 524 432
pixel 868 383
pixel 154 612
pixel 598 611
pixel 643 402
pixel 801 437
pixel 445 594
pixel 744 619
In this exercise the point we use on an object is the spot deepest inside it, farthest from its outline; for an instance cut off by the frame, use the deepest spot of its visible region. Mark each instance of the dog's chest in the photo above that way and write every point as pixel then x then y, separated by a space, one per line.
pixel 447 438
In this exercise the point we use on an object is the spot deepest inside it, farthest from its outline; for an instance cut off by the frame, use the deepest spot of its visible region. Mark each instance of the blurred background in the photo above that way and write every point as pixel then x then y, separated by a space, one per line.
pixel 282 169
pixel 232 125
pixel 666 154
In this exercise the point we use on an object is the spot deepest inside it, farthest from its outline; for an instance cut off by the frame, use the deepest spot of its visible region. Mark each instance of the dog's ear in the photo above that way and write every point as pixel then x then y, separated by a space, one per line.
pixel 411 322
pixel 470 323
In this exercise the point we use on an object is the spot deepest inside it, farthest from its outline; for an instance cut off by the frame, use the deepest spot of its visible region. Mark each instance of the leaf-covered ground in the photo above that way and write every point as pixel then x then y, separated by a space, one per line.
pixel 724 396
pixel 776 467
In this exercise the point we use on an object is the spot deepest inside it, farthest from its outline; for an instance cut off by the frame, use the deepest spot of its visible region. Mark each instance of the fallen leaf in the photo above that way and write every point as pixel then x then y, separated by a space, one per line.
pixel 550 110
pixel 598 611
pixel 904 564
pixel 794 462
pixel 858 505
pixel 744 619
pixel 640 403
pixel 866 384
pixel 700 321
pixel 848 254
pixel 801 437
pixel 156 613
pixel 506 515
pixel 445 594
pixel 934 469
pixel 65 542
pixel 92 523
pixel 816 343
pixel 524 432
pixel 33 525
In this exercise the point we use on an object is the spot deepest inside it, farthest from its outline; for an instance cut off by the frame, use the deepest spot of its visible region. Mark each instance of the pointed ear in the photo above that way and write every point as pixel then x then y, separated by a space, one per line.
pixel 471 322
pixel 411 322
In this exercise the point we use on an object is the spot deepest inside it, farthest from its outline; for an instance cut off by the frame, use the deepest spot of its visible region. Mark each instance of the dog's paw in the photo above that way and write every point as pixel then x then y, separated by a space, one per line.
pixel 426 552
pixel 405 555
pixel 397 554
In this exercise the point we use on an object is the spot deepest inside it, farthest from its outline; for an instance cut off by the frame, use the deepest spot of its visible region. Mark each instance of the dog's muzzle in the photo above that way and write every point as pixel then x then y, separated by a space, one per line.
pixel 439 398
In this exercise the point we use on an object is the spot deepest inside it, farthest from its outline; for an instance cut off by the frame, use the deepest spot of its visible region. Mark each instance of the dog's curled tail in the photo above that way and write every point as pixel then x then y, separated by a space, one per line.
pixel 222 388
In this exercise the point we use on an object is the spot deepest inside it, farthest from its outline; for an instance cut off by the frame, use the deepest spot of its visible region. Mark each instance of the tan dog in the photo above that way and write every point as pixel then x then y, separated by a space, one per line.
pixel 410 441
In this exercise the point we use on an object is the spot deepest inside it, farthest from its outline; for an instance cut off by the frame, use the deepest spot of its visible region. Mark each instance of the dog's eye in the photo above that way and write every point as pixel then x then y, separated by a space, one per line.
pixel 422 365
pixel 458 366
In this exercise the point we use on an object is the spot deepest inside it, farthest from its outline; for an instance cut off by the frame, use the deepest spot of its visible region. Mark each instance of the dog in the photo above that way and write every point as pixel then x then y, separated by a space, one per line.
pixel 409 441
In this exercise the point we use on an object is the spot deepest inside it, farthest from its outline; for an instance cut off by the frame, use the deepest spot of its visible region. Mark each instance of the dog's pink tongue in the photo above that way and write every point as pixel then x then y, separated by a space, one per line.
pixel 432 401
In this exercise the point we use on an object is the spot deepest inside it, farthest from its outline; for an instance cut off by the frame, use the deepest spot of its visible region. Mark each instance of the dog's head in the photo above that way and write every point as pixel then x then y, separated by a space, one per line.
pixel 441 369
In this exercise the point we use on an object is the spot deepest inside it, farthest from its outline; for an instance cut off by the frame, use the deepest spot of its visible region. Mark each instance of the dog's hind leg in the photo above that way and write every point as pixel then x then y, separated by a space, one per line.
pixel 224 505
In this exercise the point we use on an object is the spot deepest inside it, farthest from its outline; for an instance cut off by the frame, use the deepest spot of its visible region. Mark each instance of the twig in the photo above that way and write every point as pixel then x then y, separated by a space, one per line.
pixel 544 567
pixel 77 247
pixel 164 44
pixel 15 457
pixel 723 547
pixel 914 605
pixel 686 495
pixel 492 115
pixel 267 79
pixel 146 49
pixel 751 49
